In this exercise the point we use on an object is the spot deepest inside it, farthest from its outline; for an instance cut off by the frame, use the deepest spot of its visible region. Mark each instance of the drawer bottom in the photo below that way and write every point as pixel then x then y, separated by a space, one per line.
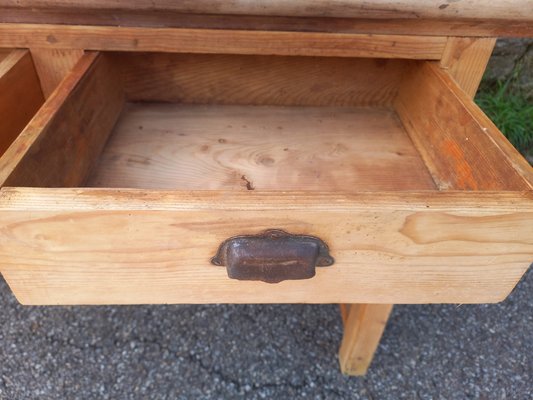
pixel 220 147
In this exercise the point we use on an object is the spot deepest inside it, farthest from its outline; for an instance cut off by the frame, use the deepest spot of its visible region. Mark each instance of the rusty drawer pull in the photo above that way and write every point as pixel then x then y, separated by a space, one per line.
pixel 272 256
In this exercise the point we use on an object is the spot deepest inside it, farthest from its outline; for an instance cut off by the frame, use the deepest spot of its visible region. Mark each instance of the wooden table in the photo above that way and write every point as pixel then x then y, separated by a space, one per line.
pixel 140 135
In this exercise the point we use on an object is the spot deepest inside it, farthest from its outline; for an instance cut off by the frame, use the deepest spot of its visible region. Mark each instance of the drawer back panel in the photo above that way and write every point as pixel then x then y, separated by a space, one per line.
pixel 259 80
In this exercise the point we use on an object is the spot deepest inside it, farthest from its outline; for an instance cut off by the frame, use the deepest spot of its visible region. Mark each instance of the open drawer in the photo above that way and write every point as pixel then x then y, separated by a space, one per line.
pixel 139 166
pixel 20 94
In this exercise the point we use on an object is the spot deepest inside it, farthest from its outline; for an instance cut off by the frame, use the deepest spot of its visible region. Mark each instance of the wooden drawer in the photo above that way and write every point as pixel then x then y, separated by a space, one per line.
pixel 138 166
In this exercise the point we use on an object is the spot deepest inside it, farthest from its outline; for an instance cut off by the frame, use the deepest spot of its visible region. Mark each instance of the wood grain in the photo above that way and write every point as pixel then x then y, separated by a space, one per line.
pixel 62 142
pixel 53 65
pixel 172 146
pixel 103 246
pixel 221 41
pixel 4 53
pixel 461 147
pixel 395 25
pixel 379 9
pixel 20 95
pixel 363 329
pixel 466 60
pixel 262 80
pixel 344 309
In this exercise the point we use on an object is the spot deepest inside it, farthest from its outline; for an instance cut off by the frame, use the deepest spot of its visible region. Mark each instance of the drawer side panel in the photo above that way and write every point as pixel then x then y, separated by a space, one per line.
pixel 61 144
pixel 461 147
pixel 20 95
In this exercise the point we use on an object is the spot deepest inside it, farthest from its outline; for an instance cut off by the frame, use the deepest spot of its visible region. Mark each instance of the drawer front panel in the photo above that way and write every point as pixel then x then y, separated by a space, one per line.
pixel 92 246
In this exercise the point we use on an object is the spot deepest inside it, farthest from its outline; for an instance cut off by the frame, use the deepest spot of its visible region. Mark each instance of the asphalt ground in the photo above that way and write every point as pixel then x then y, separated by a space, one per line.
pixel 263 351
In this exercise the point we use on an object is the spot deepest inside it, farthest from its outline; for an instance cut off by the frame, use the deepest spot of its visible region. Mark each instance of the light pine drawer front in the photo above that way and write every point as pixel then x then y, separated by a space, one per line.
pixel 93 246
pixel 138 166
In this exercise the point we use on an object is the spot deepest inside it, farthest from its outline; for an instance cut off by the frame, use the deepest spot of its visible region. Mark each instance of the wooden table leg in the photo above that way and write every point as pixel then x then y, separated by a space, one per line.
pixel 363 326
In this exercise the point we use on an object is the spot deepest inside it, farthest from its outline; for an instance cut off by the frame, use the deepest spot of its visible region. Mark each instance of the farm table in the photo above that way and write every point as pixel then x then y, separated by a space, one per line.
pixel 259 152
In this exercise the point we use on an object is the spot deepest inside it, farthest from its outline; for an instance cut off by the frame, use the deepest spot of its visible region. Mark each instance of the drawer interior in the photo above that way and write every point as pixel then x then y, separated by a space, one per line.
pixel 246 122
pixel 218 122
pixel 223 122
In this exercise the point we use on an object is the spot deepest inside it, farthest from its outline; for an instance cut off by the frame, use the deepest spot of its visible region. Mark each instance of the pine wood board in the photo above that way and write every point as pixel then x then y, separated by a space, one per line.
pixel 259 80
pixel 363 328
pixel 174 19
pixel 53 65
pixel 521 10
pixel 103 246
pixel 461 147
pixel 4 53
pixel 466 60
pixel 20 95
pixel 194 147
pixel 62 142
pixel 110 38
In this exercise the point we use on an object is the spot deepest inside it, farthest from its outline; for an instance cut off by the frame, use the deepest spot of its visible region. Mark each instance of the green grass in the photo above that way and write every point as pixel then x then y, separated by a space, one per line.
pixel 512 113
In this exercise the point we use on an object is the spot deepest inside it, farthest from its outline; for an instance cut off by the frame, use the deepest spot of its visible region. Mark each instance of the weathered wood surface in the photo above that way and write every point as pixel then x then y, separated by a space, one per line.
pixel 4 53
pixel 173 19
pixel 20 95
pixel 62 142
pixel 461 147
pixel 53 65
pixel 466 60
pixel 221 41
pixel 259 80
pixel 98 246
pixel 381 9
pixel 175 146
